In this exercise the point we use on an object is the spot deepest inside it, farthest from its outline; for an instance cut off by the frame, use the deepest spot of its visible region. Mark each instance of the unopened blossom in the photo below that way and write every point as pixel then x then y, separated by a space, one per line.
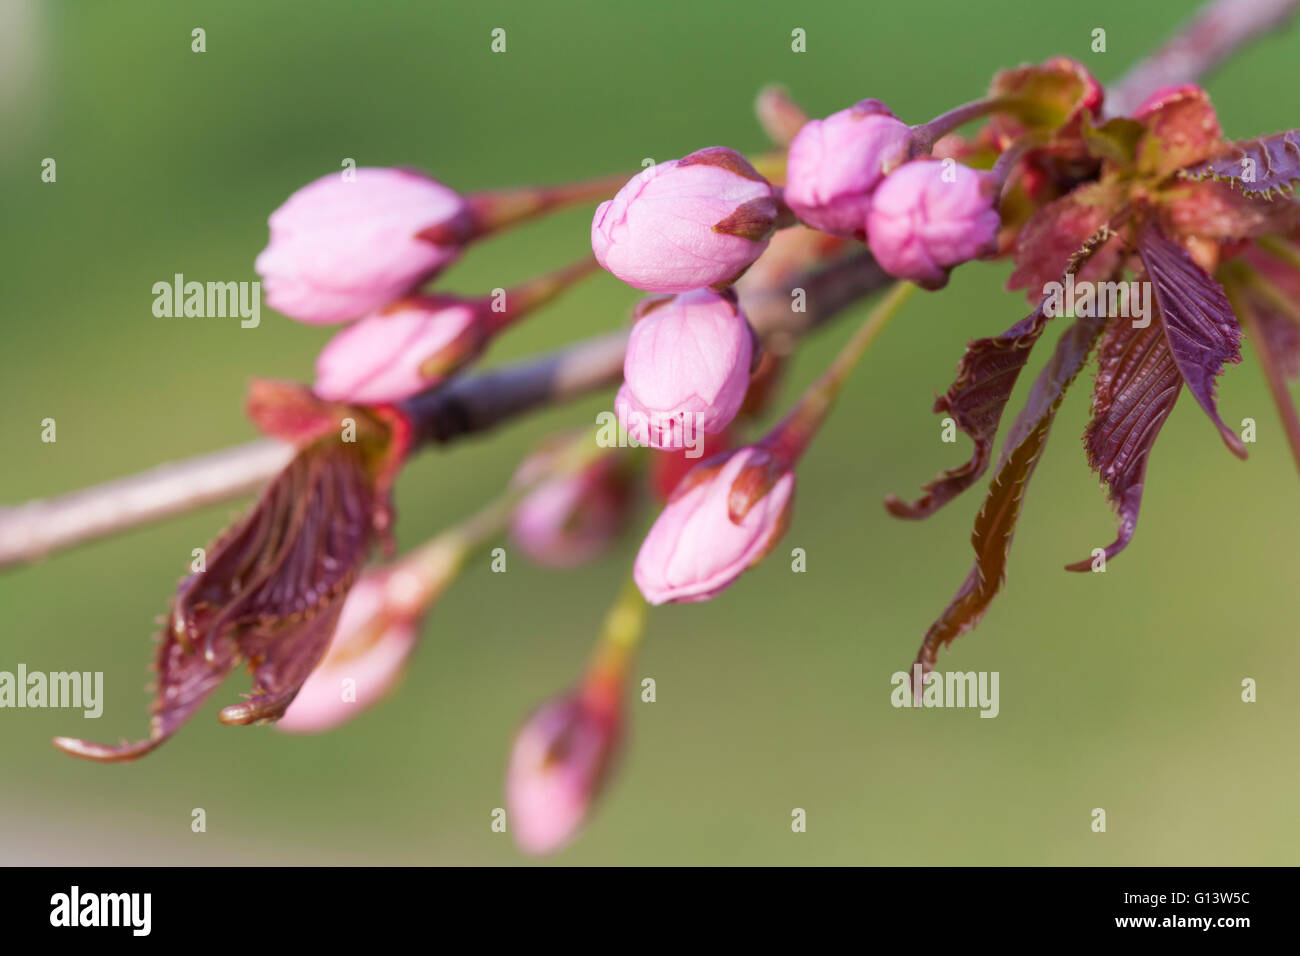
pixel 366 657
pixel 401 349
pixel 571 517
pixel 698 546
pixel 928 216
pixel 686 223
pixel 342 247
pixel 836 163
pixel 558 764
pixel 686 369
pixel 419 341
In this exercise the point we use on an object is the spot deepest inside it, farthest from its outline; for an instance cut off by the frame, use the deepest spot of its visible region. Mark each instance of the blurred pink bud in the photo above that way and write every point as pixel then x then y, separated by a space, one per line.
pixel 342 247
pixel 695 549
pixel 366 656
pixel 400 350
pixel 686 223
pixel 686 369
pixel 836 163
pixel 570 518
pixel 928 216
pixel 558 764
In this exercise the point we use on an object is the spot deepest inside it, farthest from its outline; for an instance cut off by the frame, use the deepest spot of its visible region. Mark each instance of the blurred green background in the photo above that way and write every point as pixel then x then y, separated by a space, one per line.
pixel 1119 691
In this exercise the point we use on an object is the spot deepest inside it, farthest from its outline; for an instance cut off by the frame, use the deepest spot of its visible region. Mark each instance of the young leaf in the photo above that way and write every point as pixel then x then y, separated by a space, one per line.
pixel 1137 385
pixel 996 523
pixel 1202 332
pixel 1258 167
pixel 270 594
pixel 1270 311
pixel 986 376
pixel 1057 231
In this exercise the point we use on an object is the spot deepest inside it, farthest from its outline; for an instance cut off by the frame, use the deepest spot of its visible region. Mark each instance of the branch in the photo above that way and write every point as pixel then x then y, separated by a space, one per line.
pixel 477 403
pixel 1217 31
pixel 463 407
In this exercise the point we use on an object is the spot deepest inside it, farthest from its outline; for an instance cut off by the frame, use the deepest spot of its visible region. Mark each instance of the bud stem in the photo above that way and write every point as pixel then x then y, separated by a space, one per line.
pixel 1012 155
pixel 927 134
pixel 537 292
pixel 791 436
pixel 622 631
pixel 499 209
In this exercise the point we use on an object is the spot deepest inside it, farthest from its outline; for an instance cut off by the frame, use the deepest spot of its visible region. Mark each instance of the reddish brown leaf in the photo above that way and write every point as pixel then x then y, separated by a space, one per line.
pixel 1059 230
pixel 1137 385
pixel 1268 302
pixel 270 594
pixel 996 524
pixel 1212 210
pixel 986 376
pixel 1257 167
pixel 1202 332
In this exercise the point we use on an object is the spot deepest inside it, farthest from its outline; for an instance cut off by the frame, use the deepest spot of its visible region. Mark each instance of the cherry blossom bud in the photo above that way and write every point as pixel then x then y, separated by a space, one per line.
pixel 702 541
pixel 366 657
pixel 400 350
pixel 686 369
pixel 559 761
pixel 686 223
pixel 569 519
pixel 836 163
pixel 341 248
pixel 928 216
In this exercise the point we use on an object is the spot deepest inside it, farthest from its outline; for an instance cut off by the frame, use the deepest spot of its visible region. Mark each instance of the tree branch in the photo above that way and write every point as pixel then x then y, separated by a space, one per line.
pixel 463 407
pixel 1218 30
pixel 479 402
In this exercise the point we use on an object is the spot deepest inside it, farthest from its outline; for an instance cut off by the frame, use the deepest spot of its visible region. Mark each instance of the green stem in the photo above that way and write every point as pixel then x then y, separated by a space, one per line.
pixel 790 438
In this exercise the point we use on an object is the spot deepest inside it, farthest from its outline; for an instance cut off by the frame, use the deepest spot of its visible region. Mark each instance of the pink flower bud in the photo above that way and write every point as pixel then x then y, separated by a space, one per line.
pixel 400 350
pixel 686 223
pixel 558 764
pixel 686 369
pixel 571 518
pixel 928 216
pixel 836 163
pixel 694 549
pixel 366 656
pixel 340 248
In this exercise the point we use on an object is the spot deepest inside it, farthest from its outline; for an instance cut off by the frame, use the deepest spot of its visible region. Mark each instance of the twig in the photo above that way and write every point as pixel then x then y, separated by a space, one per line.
pixel 465 406
pixel 1218 30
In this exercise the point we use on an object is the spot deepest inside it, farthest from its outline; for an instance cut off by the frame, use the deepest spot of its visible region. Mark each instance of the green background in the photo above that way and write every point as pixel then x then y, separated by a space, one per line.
pixel 1119 691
